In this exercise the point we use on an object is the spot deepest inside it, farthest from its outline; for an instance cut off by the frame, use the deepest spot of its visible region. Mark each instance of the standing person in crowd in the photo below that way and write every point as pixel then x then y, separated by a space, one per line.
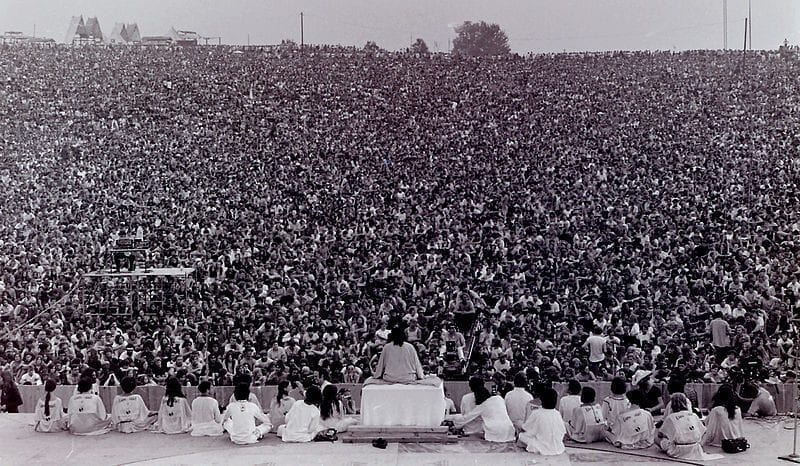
pixel 129 413
pixel 491 410
pixel 568 403
pixel 49 416
pixel 280 405
pixel 682 431
pixel 174 414
pixel 615 404
pixel 586 425
pixel 332 415
pixel 241 416
pixel 303 421
pixel 10 399
pixel 724 420
pixel 720 335
pixel 636 426
pixel 543 432
pixel 206 416
pixel 518 400
pixel 86 412
pixel 596 343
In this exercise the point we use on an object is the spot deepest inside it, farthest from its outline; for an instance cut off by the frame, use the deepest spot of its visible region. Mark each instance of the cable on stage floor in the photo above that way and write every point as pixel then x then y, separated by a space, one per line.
pixel 632 453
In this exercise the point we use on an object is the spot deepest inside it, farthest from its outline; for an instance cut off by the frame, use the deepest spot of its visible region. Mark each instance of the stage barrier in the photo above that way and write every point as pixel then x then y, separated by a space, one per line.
pixel 784 394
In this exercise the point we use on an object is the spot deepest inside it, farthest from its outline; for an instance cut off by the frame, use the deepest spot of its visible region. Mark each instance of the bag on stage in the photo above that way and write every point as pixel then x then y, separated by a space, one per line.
pixel 735 445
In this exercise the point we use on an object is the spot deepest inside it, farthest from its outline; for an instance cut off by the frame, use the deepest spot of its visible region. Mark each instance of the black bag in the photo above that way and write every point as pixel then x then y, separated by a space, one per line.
pixel 735 445
pixel 327 435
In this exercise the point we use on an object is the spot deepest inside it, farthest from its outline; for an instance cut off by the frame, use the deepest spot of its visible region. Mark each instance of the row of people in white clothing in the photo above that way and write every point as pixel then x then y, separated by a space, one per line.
pixel 243 419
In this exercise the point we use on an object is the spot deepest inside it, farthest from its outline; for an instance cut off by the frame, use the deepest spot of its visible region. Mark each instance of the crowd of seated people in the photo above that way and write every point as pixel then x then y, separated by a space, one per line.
pixel 595 214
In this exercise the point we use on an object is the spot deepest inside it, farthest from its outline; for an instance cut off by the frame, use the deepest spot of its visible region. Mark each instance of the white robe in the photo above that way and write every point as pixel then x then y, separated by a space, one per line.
pixel 636 430
pixel 277 411
pixel 517 401
pixel 302 423
pixel 87 415
pixel 55 422
pixel 175 419
pixel 543 432
pixel 129 414
pixel 612 407
pixel 252 399
pixel 206 418
pixel 240 422
pixel 467 405
pixel 680 437
pixel 566 406
pixel 497 426
pixel 587 424
pixel 719 427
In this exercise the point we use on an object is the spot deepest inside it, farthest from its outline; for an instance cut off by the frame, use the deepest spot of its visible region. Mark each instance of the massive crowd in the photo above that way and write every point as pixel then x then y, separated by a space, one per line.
pixel 575 215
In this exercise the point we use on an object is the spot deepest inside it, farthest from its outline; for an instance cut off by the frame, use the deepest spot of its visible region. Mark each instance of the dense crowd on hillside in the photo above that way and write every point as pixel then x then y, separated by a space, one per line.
pixel 575 216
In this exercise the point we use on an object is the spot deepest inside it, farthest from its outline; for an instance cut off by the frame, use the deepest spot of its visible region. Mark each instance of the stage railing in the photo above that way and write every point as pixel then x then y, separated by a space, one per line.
pixel 784 394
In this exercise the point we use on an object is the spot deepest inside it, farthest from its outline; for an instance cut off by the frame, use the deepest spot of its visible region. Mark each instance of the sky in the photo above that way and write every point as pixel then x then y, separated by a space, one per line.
pixel 532 25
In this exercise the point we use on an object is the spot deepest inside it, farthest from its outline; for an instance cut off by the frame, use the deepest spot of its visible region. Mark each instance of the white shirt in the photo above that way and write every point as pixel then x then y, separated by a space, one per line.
pixel 206 418
pixel 302 423
pixel 497 426
pixel 467 405
pixel 517 405
pixel 243 415
pixel 543 432
pixel 567 405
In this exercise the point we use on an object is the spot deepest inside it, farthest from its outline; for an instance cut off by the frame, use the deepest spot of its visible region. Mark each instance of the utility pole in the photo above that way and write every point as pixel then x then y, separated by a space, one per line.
pixel 725 24
pixel 34 30
pixel 744 47
pixel 750 21
pixel 302 32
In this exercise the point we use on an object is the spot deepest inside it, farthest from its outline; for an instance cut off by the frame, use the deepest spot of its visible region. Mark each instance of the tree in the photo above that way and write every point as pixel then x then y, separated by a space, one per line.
pixel 480 40
pixel 419 47
pixel 371 47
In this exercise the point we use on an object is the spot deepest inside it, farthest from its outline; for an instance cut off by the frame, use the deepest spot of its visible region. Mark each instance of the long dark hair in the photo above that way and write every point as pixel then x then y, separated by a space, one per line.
pixel 330 403
pixel 174 390
pixel 397 336
pixel 725 397
pixel 49 386
pixel 283 390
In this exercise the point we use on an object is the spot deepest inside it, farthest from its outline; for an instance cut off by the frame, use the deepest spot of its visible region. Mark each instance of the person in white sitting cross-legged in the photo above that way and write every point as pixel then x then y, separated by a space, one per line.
pixel 174 414
pixel 543 431
pixel 241 416
pixel 49 412
pixel 491 410
pixel 517 401
pixel 206 418
pixel 129 413
pixel 303 421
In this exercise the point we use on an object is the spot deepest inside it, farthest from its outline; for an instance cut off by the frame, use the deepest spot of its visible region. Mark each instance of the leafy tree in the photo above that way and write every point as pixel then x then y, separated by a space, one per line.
pixel 419 46
pixel 480 40
pixel 371 47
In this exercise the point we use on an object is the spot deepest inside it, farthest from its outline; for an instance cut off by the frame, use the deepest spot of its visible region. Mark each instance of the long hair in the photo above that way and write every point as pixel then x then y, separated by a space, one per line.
pixel 6 378
pixel 330 403
pixel 397 336
pixel 725 397
pixel 283 390
pixel 678 402
pixel 313 396
pixel 174 390
pixel 49 386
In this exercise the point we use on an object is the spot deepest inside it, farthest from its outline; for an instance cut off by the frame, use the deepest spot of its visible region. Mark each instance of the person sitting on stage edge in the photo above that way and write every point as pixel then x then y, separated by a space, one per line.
pixel 636 427
pixel 543 431
pixel 129 414
pixel 568 403
pixel 517 400
pixel 303 419
pixel 399 363
pixel 491 410
pixel 681 432
pixel 206 418
pixel 241 416
pixel 615 404
pixel 280 405
pixel 49 411
pixel 332 412
pixel 174 414
pixel 724 421
pixel 586 425
pixel 86 411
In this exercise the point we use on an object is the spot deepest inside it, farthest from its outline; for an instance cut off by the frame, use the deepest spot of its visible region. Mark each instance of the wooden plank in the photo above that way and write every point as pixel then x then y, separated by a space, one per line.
pixel 392 429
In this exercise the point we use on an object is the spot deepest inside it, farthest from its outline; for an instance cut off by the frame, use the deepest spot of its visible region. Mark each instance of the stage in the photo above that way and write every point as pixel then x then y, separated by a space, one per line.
pixel 21 446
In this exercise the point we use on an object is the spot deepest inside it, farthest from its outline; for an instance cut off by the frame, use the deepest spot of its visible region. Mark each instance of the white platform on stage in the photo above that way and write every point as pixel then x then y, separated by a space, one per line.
pixel 402 405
